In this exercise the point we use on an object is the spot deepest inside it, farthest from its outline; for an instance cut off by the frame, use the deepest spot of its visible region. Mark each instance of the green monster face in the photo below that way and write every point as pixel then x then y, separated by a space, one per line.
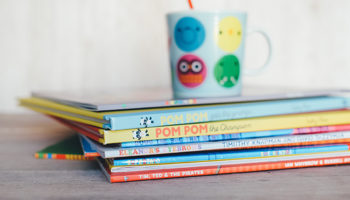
pixel 227 71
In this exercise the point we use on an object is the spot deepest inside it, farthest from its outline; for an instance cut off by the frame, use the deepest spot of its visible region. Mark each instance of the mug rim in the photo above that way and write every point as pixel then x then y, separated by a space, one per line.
pixel 214 12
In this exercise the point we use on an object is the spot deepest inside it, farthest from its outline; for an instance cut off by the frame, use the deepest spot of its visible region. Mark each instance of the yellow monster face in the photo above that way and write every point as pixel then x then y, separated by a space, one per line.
pixel 229 34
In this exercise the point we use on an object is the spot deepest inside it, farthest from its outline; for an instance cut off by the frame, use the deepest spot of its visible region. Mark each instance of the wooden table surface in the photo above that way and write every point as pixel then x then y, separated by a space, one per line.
pixel 24 177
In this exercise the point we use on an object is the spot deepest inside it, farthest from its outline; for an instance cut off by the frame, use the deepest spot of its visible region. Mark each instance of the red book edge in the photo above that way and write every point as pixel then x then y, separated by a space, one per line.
pixel 223 169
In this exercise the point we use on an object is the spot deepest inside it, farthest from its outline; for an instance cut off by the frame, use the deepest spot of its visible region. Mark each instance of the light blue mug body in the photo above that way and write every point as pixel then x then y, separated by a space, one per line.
pixel 206 53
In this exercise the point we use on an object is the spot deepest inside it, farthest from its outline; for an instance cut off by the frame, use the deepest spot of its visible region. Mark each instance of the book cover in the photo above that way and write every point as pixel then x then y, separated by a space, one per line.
pixel 93 133
pixel 162 97
pixel 292 140
pixel 67 149
pixel 88 150
pixel 218 127
pixel 232 136
pixel 297 162
pixel 119 120
pixel 226 155
pixel 202 114
pixel 125 169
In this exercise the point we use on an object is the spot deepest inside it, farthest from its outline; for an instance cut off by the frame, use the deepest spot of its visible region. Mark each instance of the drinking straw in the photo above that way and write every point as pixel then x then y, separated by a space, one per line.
pixel 190 4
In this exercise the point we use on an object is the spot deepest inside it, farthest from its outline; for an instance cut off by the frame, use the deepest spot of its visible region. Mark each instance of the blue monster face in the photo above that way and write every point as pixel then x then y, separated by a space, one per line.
pixel 189 34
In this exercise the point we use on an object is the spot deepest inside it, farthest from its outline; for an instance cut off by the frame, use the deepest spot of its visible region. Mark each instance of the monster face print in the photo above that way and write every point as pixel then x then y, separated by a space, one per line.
pixel 229 34
pixel 189 34
pixel 191 70
pixel 227 71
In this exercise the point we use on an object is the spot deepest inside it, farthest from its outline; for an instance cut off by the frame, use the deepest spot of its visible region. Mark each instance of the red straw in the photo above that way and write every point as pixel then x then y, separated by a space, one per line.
pixel 190 4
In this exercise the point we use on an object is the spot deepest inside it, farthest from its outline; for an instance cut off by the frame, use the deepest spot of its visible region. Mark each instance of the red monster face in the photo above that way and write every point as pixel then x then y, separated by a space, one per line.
pixel 191 70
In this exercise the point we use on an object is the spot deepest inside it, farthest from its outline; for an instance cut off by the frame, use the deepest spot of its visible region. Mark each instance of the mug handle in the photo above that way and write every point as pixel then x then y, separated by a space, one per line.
pixel 268 59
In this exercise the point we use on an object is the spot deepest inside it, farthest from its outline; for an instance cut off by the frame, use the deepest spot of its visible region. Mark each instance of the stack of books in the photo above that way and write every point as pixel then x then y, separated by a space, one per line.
pixel 156 139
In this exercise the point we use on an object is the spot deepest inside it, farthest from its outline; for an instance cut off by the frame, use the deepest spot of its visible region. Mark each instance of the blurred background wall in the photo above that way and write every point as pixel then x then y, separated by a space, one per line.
pixel 94 44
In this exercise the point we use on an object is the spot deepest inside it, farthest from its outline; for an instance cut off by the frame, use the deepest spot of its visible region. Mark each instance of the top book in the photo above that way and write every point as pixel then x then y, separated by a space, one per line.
pixel 158 98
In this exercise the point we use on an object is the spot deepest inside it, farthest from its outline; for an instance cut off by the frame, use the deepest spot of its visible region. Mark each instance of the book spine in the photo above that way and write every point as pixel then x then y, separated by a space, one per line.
pixel 161 174
pixel 208 138
pixel 292 140
pixel 69 116
pixel 79 129
pixel 230 126
pixel 88 150
pixel 91 154
pixel 127 169
pixel 190 115
pixel 62 156
pixel 222 155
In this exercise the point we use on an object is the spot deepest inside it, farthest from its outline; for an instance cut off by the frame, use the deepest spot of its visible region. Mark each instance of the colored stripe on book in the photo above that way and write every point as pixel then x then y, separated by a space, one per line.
pixel 223 169
pixel 291 140
pixel 247 135
pixel 131 119
pixel 229 126
pixel 126 169
pixel 329 118
pixel 67 149
pixel 223 155
pixel 62 156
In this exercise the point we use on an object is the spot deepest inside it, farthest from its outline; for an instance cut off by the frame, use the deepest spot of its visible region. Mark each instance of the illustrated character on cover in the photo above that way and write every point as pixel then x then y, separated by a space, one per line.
pixel 138 134
pixel 145 121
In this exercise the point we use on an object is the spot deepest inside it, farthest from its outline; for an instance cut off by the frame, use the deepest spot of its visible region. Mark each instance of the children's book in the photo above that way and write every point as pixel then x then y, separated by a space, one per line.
pixel 88 150
pixel 236 136
pixel 92 133
pixel 162 97
pixel 225 167
pixel 91 151
pixel 67 149
pixel 213 128
pixel 122 169
pixel 147 118
pixel 225 155
pixel 115 151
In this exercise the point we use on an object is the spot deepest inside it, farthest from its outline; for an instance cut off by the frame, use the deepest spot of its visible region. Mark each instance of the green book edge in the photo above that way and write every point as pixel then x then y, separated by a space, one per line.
pixel 68 149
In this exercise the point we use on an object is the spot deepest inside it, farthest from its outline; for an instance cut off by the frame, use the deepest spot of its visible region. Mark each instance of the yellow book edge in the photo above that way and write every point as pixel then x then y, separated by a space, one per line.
pixel 50 104
pixel 63 115
pixel 212 128
pixel 34 101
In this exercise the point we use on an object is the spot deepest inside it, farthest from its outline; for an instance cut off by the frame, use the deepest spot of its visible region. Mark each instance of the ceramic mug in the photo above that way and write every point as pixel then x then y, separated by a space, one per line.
pixel 207 51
